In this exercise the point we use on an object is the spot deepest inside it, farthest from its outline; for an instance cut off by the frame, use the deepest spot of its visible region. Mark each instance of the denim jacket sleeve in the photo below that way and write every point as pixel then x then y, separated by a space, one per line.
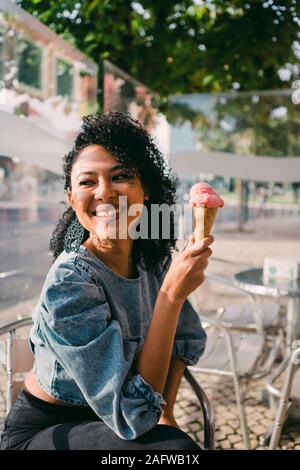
pixel 190 338
pixel 78 328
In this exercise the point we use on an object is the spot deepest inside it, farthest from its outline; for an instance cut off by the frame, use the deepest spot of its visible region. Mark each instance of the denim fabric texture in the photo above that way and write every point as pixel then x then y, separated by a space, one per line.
pixel 34 424
pixel 89 325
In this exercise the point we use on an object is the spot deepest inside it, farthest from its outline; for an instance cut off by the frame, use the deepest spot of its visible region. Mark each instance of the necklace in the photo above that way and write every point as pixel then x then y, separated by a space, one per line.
pixel 95 241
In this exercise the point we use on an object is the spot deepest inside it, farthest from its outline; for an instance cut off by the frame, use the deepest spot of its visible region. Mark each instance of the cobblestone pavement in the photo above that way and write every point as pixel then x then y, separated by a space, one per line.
pixel 220 391
pixel 263 238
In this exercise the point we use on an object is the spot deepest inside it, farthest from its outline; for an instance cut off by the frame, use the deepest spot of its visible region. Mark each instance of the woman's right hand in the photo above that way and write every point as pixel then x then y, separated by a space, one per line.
pixel 186 271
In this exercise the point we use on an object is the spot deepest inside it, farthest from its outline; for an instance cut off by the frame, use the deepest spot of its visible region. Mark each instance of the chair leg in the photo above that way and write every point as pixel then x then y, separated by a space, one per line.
pixel 242 413
pixel 283 406
pixel 273 404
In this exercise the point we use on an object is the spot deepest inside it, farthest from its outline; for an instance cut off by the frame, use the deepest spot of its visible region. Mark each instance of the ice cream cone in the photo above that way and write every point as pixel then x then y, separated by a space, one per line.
pixel 206 202
pixel 203 221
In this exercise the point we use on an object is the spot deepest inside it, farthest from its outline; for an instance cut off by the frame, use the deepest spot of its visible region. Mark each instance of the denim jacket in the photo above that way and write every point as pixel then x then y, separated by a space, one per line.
pixel 89 325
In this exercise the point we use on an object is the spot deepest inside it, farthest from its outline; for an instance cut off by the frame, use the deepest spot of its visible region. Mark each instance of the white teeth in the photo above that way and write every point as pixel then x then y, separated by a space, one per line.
pixel 107 213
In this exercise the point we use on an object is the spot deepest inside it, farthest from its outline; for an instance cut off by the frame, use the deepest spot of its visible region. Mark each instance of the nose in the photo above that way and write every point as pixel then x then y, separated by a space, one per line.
pixel 104 191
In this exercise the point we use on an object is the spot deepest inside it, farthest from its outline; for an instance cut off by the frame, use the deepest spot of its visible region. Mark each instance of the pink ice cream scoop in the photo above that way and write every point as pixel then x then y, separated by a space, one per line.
pixel 204 193
pixel 206 202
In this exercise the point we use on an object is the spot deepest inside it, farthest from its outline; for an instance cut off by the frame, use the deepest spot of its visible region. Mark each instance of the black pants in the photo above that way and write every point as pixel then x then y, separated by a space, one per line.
pixel 34 424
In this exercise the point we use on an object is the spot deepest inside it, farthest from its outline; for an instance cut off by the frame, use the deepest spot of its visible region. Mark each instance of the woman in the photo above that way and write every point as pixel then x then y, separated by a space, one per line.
pixel 112 330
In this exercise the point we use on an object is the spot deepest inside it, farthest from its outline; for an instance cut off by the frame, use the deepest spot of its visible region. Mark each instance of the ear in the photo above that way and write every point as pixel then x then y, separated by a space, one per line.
pixel 70 198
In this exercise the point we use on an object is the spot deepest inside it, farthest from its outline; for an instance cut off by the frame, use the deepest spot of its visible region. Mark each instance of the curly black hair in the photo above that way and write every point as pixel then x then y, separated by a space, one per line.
pixel 133 147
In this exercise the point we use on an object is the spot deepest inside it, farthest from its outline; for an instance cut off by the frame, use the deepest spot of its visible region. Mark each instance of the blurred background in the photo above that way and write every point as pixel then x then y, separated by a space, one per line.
pixel 216 83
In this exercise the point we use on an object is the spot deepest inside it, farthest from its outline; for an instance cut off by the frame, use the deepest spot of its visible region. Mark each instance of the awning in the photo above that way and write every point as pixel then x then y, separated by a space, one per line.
pixel 247 167
pixel 23 139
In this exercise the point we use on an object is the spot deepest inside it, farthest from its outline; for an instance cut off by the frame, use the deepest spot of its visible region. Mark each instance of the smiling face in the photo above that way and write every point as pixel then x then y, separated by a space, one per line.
pixel 97 183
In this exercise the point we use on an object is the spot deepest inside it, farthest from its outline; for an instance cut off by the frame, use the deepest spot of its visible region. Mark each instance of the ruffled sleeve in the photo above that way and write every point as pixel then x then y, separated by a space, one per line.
pixel 190 338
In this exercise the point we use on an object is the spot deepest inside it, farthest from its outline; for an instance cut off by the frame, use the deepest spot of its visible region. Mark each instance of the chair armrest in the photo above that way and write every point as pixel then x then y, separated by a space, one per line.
pixel 228 339
pixel 15 325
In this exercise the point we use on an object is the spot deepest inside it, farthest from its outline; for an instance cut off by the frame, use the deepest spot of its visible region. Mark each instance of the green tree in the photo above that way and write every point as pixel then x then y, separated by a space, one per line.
pixel 185 46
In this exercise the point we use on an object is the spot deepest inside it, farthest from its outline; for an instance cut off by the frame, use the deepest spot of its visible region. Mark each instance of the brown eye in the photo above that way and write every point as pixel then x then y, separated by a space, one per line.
pixel 122 176
pixel 86 183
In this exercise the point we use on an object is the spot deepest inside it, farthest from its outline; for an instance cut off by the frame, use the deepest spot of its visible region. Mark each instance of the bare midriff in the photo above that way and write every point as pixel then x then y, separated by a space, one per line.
pixel 30 384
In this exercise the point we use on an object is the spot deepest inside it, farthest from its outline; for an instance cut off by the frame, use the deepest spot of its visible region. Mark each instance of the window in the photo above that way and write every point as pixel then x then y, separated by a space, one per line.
pixel 30 60
pixel 64 78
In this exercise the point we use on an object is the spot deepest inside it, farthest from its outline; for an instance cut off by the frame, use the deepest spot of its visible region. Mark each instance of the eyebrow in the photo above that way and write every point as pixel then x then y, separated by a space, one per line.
pixel 113 168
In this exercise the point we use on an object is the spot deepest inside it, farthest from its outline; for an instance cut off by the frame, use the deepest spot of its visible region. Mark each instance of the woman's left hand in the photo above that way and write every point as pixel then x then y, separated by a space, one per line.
pixel 168 419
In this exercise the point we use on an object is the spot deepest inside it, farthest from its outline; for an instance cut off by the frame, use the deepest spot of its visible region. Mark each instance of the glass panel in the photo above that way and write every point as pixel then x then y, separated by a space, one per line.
pixel 257 123
pixel 38 129
pixel 64 78
pixel 30 61
pixel 265 123
pixel 29 210
pixel 2 30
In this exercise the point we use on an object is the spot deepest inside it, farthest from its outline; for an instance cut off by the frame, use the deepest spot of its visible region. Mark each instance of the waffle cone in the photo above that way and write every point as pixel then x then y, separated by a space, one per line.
pixel 203 221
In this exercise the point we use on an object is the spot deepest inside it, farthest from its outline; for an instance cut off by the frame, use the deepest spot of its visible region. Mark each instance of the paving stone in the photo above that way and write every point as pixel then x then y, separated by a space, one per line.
pixel 221 409
pixel 195 426
pixel 184 421
pixel 219 424
pixel 227 430
pixel 234 438
pixel 220 436
pixel 258 430
pixel 229 416
pixel 192 406
pixel 251 422
pixel 225 444
pixel 239 446
pixel 234 424
pixel 254 443
pixel 268 414
pixel 178 413
pixel 184 403
pixel 200 436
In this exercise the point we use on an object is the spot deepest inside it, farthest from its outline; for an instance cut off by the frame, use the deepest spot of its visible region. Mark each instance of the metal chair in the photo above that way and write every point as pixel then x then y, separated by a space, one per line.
pixel 253 315
pixel 19 359
pixel 235 351
pixel 290 393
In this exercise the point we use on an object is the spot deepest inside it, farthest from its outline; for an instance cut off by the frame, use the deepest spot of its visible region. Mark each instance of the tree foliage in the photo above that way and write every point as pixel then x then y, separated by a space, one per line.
pixel 185 46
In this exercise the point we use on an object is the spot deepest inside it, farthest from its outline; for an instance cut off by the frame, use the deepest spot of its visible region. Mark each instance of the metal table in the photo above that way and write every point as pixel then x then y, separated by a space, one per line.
pixel 252 281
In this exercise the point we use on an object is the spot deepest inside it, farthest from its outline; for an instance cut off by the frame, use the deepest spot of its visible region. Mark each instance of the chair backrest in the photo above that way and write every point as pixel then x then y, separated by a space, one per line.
pixel 208 416
pixel 19 358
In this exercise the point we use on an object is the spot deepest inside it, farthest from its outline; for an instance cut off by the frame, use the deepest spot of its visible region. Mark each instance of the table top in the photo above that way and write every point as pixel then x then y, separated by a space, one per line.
pixel 254 282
